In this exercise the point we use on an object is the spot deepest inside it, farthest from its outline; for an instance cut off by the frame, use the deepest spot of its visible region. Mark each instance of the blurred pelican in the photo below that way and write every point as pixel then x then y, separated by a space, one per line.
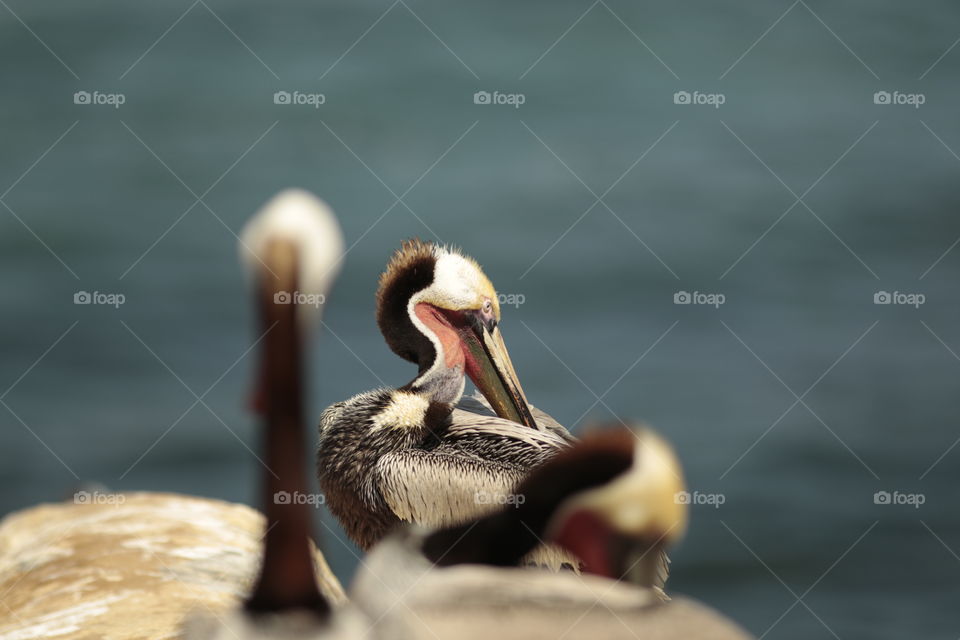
pixel 292 248
pixel 611 499
pixel 140 565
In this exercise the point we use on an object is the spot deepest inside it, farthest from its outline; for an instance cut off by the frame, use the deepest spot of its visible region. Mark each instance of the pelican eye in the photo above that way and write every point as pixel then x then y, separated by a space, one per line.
pixel 487 315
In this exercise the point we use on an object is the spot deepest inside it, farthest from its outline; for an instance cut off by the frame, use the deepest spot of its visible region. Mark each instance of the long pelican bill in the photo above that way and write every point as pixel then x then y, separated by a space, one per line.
pixel 489 367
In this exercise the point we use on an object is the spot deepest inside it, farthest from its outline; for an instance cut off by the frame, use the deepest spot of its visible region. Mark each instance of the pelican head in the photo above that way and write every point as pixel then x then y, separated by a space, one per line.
pixel 614 500
pixel 619 528
pixel 436 308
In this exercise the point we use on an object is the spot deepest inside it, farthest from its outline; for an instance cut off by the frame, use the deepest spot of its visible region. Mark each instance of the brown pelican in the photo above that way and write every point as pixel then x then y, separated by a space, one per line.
pixel 413 454
pixel 612 499
pixel 134 565
pixel 293 248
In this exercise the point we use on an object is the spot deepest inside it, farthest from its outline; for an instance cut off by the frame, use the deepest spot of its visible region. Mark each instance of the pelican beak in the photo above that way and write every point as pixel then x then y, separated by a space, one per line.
pixel 489 367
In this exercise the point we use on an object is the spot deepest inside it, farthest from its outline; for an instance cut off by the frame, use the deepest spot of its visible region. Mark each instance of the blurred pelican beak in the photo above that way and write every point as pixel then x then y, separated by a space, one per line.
pixel 489 367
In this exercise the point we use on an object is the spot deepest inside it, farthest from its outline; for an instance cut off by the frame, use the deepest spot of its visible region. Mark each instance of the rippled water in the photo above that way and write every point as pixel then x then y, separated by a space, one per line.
pixel 797 199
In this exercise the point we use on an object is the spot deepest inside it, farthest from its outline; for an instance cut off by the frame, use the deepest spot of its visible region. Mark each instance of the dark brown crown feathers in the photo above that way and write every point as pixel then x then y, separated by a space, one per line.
pixel 409 270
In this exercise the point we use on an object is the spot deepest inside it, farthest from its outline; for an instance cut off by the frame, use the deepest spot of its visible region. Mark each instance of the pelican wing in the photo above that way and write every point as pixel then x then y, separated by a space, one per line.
pixel 471 471
pixel 477 404
pixel 438 489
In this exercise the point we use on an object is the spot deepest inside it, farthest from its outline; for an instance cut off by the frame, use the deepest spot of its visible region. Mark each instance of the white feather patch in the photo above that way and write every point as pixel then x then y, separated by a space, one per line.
pixel 406 410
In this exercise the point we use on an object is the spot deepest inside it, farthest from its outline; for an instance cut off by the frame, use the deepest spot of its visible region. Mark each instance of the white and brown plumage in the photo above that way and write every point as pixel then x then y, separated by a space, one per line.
pixel 421 453
pixel 611 499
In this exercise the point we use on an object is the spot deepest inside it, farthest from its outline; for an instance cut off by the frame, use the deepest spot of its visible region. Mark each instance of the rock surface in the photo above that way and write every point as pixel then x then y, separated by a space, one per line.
pixel 131 566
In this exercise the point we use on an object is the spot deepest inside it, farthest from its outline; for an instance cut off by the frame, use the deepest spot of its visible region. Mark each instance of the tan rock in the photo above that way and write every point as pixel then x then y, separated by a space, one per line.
pixel 131 565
